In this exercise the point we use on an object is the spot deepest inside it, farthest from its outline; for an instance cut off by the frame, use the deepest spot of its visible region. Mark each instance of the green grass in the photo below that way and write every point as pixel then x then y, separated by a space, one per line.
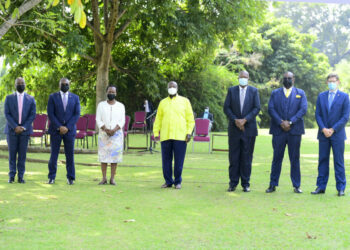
pixel 200 216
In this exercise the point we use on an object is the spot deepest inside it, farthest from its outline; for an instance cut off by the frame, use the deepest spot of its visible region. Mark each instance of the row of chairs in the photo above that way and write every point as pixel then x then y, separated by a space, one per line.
pixel 86 127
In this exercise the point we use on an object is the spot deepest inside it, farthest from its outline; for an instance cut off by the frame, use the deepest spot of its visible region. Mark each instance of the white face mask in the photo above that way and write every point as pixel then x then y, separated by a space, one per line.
pixel 172 91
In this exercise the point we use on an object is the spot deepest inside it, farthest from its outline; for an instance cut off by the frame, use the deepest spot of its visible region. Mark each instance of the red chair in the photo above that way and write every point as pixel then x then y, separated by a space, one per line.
pixel 201 132
pixel 39 126
pixel 126 128
pixel 91 127
pixel 82 125
pixel 139 121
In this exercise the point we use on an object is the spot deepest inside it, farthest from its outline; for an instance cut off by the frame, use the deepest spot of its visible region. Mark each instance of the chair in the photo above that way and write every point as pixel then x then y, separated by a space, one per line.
pixel 201 132
pixel 91 127
pixel 82 125
pixel 39 127
pixel 139 121
pixel 126 128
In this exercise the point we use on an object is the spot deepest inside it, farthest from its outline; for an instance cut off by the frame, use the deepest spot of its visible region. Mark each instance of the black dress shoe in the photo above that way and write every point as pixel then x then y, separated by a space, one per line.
pixel 70 181
pixel 166 185
pixel 270 189
pixel 21 180
pixel 297 190
pixel 341 193
pixel 11 180
pixel 318 191
pixel 231 189
pixel 246 189
pixel 51 181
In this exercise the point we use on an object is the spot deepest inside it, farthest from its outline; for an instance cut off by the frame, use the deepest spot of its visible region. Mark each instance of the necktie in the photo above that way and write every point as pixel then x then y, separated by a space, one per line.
pixel 20 107
pixel 330 99
pixel 241 98
pixel 288 92
pixel 64 102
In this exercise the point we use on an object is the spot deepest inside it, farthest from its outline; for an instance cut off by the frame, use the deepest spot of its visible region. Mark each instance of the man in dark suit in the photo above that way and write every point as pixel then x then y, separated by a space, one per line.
pixel 20 111
pixel 287 106
pixel 148 108
pixel 332 114
pixel 63 110
pixel 241 107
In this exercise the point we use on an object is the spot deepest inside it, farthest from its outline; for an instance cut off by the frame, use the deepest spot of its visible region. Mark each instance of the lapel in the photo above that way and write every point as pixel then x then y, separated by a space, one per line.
pixel 236 97
pixel 16 105
pixel 59 97
pixel 336 99
pixel 325 101
pixel 247 92
pixel 24 105
pixel 291 98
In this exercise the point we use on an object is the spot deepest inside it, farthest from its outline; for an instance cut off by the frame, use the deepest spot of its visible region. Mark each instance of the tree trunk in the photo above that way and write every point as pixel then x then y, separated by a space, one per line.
pixel 103 72
pixel 21 10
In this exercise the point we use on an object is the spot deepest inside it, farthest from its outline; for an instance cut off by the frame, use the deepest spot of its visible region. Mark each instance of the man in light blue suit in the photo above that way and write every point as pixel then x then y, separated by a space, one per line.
pixel 20 111
pixel 63 110
pixel 287 106
pixel 332 114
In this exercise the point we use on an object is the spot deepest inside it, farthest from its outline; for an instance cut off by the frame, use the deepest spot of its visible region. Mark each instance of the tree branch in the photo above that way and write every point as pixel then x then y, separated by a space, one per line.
pixel 112 20
pixel 123 28
pixel 125 71
pixel 105 13
pixel 96 32
pixel 26 6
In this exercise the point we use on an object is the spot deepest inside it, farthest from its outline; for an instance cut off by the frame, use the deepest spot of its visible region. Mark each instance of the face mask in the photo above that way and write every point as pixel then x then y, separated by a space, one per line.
pixel 172 91
pixel 111 97
pixel 64 88
pixel 20 88
pixel 243 81
pixel 287 82
pixel 332 85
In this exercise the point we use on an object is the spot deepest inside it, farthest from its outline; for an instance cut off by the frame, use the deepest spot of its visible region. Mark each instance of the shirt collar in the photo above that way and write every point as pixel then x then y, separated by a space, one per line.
pixel 333 91
pixel 241 88
pixel 285 90
pixel 62 93
pixel 17 93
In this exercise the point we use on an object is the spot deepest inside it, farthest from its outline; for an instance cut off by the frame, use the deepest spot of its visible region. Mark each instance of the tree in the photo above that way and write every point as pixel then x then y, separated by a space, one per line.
pixel 330 24
pixel 161 30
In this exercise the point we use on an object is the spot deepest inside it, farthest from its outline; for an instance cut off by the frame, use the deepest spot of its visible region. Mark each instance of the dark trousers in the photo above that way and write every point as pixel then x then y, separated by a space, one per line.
pixel 279 143
pixel 17 145
pixel 324 149
pixel 177 150
pixel 148 121
pixel 68 141
pixel 241 150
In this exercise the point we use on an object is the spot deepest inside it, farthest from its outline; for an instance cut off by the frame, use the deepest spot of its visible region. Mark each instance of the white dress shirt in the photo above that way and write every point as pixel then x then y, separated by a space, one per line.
pixel 110 115
pixel 285 90
pixel 62 96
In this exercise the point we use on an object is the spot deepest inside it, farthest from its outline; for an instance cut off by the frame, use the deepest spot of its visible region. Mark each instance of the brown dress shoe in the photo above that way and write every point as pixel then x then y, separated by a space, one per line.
pixel 178 186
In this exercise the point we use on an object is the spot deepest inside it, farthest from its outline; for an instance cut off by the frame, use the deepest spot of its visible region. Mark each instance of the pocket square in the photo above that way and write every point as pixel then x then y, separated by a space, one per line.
pixel 298 96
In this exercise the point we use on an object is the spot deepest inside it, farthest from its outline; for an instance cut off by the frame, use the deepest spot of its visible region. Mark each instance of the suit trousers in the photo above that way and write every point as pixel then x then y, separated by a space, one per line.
pixel 325 146
pixel 279 143
pixel 177 150
pixel 241 150
pixel 68 141
pixel 17 145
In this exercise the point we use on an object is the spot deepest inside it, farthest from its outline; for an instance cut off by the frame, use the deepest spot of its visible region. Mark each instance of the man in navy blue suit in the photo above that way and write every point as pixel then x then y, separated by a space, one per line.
pixel 63 110
pixel 332 114
pixel 287 106
pixel 241 107
pixel 20 111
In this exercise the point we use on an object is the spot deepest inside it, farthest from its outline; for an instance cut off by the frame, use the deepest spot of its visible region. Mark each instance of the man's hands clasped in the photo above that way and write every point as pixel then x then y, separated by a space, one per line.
pixel 240 123
pixel 285 125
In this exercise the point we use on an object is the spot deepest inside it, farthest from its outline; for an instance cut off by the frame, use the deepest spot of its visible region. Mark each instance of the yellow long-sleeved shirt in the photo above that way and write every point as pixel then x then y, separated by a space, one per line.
pixel 174 119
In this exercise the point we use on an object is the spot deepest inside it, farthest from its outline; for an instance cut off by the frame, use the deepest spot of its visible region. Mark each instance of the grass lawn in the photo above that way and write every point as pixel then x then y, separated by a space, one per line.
pixel 202 215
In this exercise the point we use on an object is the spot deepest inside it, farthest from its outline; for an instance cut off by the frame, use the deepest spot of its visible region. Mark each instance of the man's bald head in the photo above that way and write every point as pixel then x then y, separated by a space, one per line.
pixel 172 84
pixel 243 74
pixel 19 80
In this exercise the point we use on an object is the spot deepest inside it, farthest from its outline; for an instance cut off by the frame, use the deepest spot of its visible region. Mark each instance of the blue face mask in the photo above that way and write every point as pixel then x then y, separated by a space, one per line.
pixel 332 86
pixel 243 81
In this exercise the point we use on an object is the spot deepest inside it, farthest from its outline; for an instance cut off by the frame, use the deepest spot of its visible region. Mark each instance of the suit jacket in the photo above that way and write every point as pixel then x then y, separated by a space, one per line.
pixel 251 108
pixel 58 117
pixel 336 117
pixel 291 109
pixel 11 114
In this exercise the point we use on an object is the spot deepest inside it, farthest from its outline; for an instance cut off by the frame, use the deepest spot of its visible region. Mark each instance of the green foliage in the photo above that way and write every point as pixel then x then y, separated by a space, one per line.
pixel 342 69
pixel 329 22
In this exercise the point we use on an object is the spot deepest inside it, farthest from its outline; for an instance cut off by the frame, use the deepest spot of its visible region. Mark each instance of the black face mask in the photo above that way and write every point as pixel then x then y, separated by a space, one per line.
pixel 20 88
pixel 287 82
pixel 64 88
pixel 111 97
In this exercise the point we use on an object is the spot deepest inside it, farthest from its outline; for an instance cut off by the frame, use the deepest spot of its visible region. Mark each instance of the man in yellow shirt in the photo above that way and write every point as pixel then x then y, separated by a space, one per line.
pixel 174 124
